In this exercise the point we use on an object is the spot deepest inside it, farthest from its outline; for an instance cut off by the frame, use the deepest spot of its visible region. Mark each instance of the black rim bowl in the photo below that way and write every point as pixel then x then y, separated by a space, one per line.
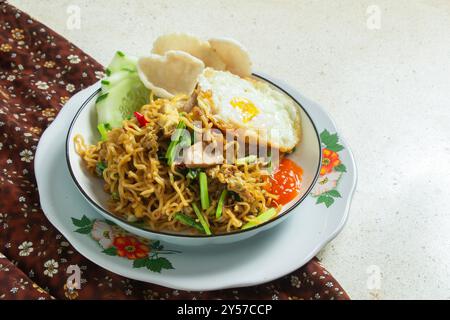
pixel 284 213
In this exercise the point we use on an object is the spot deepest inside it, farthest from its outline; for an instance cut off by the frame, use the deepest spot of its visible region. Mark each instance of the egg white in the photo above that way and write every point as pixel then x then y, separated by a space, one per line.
pixel 238 103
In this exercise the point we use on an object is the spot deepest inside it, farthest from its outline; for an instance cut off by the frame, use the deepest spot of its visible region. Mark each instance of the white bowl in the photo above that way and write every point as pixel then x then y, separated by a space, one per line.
pixel 307 154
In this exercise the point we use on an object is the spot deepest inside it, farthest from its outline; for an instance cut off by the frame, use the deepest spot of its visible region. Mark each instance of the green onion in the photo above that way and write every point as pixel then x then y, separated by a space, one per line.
pixel 184 219
pixel 101 97
pixel 177 135
pixel 185 141
pixel 170 154
pixel 235 196
pixel 221 203
pixel 120 54
pixel 201 218
pixel 103 128
pixel 108 72
pixel 263 217
pixel 192 173
pixel 204 196
pixel 100 167
pixel 115 196
pixel 106 82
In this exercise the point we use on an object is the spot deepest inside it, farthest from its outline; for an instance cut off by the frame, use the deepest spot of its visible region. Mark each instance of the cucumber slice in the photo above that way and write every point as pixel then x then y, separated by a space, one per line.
pixel 122 91
pixel 121 62
pixel 121 100
pixel 115 78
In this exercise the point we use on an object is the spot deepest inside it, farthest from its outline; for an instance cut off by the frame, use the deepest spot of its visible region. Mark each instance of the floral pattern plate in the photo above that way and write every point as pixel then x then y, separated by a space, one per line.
pixel 262 258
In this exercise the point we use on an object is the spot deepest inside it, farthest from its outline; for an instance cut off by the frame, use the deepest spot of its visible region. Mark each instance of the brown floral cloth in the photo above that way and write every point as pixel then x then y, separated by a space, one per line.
pixel 39 71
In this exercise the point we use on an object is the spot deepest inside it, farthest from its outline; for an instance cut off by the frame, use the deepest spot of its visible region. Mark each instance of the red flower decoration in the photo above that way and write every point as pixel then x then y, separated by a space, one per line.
pixel 330 160
pixel 130 248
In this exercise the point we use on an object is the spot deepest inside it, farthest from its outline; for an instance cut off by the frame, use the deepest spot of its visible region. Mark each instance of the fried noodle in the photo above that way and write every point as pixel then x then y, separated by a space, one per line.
pixel 145 188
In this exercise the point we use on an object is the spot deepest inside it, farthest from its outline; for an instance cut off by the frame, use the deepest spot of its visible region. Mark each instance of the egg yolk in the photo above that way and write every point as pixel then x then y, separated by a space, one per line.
pixel 248 109
pixel 285 182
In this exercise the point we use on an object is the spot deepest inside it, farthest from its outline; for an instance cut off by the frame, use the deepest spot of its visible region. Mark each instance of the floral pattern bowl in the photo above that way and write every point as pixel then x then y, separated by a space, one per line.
pixel 307 154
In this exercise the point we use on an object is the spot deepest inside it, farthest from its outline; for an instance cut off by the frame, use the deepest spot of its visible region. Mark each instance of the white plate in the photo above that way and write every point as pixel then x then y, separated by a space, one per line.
pixel 264 257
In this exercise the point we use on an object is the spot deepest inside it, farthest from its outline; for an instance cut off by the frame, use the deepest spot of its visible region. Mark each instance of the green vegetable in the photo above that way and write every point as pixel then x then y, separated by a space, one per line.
pixel 176 137
pixel 201 218
pixel 100 167
pixel 179 130
pixel 184 219
pixel 192 173
pixel 103 128
pixel 113 79
pixel 204 196
pixel 263 217
pixel 122 91
pixel 121 101
pixel 247 160
pixel 101 97
pixel 221 203
pixel 185 140
pixel 121 61
pixel 115 196
pixel 235 196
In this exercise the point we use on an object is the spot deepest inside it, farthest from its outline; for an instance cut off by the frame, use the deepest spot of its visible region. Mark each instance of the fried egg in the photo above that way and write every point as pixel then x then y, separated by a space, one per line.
pixel 244 103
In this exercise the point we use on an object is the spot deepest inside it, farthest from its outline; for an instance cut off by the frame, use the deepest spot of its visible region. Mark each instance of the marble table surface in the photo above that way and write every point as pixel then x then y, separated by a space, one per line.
pixel 382 70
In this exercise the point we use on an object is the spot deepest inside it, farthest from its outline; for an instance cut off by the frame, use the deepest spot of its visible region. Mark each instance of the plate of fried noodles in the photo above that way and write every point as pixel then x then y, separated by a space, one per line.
pixel 173 158
pixel 225 154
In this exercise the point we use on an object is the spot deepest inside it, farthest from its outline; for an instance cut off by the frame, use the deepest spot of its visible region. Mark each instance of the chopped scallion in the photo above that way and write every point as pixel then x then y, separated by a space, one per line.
pixel 220 204
pixel 100 167
pixel 184 219
pixel 192 173
pixel 204 196
pixel 235 196
pixel 201 218
pixel 185 140
pixel 103 128
pixel 170 154
pixel 263 217
pixel 101 97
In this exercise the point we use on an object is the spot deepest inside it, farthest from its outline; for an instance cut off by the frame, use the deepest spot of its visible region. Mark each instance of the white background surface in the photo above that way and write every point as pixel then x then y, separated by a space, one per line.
pixel 388 90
